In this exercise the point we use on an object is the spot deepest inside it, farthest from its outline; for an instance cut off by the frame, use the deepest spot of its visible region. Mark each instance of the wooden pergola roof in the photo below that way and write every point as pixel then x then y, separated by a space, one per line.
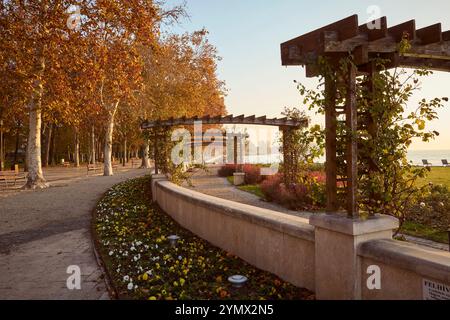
pixel 430 47
pixel 230 119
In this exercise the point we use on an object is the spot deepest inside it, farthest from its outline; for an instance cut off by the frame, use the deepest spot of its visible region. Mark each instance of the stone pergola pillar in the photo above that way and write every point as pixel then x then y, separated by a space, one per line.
pixel 338 275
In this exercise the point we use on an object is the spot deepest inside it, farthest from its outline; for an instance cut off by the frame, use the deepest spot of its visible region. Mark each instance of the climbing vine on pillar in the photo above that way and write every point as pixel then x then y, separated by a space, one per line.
pixel 387 126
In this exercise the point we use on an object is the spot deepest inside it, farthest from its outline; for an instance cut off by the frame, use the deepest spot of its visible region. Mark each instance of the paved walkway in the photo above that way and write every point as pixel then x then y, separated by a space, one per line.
pixel 209 183
pixel 45 231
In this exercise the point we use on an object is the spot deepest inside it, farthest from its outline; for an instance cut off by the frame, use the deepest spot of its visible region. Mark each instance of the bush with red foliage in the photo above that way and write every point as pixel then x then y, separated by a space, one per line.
pixel 308 195
pixel 227 170
pixel 252 172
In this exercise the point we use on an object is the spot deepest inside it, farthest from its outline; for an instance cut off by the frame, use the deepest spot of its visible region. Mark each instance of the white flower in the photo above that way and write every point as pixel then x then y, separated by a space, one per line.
pixel 130 286
pixel 180 258
pixel 126 278
pixel 423 204
pixel 441 204
pixel 111 253
pixel 132 248
pixel 156 246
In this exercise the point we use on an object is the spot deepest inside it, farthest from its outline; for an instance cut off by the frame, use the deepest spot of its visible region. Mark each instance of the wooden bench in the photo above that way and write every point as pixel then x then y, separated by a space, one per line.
pixel 12 176
pixel 92 167
pixel 136 162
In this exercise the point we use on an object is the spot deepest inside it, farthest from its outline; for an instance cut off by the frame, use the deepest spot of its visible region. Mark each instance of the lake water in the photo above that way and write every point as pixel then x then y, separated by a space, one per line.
pixel 433 156
pixel 416 156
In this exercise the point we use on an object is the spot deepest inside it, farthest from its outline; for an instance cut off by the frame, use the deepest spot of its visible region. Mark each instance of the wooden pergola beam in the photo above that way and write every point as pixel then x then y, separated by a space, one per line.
pixel 331 143
pixel 230 119
pixel 430 34
pixel 426 43
pixel 351 118
pixel 399 31
pixel 375 33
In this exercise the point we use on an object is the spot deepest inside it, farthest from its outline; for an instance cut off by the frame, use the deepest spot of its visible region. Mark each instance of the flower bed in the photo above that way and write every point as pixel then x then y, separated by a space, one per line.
pixel 142 264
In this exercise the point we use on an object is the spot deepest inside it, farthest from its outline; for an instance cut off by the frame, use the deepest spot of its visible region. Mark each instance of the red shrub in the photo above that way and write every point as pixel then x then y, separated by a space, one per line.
pixel 318 176
pixel 252 174
pixel 227 170
pixel 271 187
pixel 300 196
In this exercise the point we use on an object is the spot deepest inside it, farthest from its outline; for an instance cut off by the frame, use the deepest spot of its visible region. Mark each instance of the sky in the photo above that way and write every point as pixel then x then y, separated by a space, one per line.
pixel 248 34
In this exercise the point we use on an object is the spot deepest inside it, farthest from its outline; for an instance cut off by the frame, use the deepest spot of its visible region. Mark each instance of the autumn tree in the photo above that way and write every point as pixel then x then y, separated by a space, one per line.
pixel 181 80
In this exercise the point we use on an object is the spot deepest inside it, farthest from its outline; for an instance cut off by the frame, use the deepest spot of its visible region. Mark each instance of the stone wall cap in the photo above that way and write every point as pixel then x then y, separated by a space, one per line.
pixel 354 227
pixel 159 177
pixel 278 221
pixel 428 262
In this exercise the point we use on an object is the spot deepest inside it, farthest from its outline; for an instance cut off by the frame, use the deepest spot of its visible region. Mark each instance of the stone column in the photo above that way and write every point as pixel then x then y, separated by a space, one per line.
pixel 338 274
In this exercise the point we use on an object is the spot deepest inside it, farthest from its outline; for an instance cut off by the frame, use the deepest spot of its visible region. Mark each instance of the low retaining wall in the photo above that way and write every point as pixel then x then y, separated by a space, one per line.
pixel 408 271
pixel 330 255
pixel 269 240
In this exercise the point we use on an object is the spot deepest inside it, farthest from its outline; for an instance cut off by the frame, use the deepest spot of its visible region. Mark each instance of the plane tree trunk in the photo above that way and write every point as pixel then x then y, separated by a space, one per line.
pixel 145 156
pixel 107 167
pixel 77 148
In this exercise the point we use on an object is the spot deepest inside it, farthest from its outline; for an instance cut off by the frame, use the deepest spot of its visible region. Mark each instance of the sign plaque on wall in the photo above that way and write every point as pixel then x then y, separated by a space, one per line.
pixel 435 291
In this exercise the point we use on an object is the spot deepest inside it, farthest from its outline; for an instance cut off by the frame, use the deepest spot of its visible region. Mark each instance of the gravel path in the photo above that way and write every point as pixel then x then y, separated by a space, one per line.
pixel 44 232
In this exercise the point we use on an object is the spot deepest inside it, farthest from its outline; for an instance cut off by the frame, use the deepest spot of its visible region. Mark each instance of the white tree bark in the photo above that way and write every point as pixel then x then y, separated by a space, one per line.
pixel 108 170
pixel 145 157
pixel 93 161
pixel 125 153
pixel 77 149
pixel 35 178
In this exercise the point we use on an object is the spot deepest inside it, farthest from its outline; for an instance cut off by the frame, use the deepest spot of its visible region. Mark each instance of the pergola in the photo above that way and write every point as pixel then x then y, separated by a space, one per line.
pixel 285 125
pixel 429 48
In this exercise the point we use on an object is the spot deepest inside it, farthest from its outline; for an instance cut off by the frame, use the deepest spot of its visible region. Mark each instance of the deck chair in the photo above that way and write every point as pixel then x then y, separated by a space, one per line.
pixel 445 163
pixel 426 163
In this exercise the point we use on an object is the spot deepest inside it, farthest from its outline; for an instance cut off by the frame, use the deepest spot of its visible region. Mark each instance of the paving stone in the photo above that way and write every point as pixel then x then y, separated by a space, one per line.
pixel 49 230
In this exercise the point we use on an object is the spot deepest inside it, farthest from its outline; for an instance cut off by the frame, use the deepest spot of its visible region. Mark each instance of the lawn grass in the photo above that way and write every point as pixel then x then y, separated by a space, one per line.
pixel 250 188
pixel 254 189
pixel 438 175
pixel 422 231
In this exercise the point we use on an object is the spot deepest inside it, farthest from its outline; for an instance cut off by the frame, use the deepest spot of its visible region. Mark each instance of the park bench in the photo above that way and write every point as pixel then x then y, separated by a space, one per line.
pixel 445 163
pixel 91 167
pixel 136 163
pixel 66 164
pixel 13 176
